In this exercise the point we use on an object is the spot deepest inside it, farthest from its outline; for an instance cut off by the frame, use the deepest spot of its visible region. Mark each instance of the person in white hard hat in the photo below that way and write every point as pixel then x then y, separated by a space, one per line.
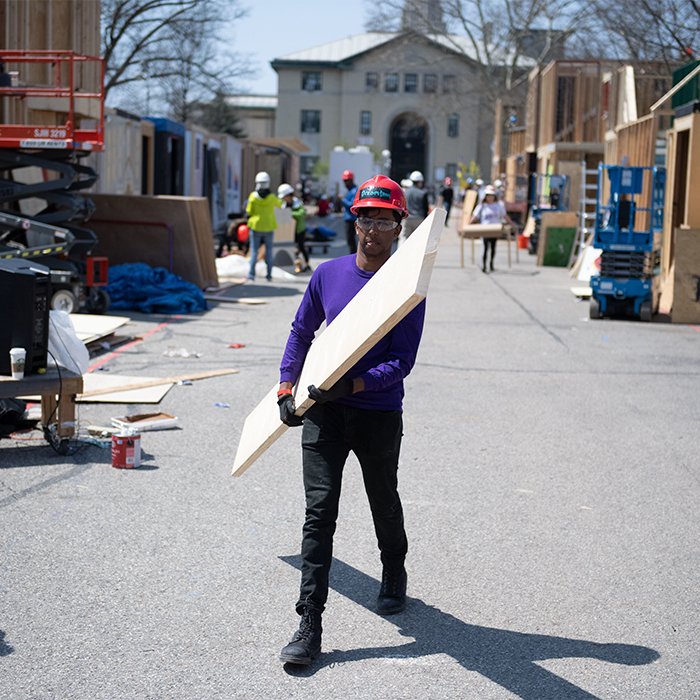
pixel 490 211
pixel 479 187
pixel 417 202
pixel 261 222
pixel 286 193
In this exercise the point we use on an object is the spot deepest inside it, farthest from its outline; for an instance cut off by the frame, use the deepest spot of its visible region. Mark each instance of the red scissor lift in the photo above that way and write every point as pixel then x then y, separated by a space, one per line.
pixel 57 149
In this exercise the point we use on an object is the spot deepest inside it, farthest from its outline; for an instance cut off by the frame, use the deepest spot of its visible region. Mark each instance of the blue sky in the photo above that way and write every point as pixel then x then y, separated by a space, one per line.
pixel 277 27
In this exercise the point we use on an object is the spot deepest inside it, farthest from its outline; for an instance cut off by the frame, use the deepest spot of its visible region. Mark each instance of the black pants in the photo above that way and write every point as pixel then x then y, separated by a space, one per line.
pixel 351 236
pixel 330 432
pixel 489 243
pixel 299 239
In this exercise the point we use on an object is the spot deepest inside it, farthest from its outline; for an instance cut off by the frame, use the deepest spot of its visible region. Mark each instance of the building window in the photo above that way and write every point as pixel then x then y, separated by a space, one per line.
pixel 453 126
pixel 310 121
pixel 411 82
pixel 451 171
pixel 448 83
pixel 311 80
pixel 392 82
pixel 306 165
pixel 430 82
pixel 365 123
pixel 371 82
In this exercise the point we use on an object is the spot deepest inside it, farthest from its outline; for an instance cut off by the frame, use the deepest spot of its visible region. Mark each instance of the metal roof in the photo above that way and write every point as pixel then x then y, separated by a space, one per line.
pixel 341 49
pixel 253 101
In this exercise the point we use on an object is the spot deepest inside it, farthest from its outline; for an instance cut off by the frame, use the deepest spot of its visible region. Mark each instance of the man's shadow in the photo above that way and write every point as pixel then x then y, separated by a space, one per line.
pixel 506 658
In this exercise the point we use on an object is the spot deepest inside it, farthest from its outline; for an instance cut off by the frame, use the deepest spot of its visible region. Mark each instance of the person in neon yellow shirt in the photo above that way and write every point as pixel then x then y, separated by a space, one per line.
pixel 261 222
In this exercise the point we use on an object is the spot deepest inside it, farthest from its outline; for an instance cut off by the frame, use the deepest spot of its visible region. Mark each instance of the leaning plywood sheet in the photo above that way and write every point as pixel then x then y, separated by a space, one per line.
pixel 157 231
pixel 397 288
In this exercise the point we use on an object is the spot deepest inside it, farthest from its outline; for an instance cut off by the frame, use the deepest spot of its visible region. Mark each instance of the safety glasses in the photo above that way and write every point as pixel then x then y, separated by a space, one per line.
pixel 367 224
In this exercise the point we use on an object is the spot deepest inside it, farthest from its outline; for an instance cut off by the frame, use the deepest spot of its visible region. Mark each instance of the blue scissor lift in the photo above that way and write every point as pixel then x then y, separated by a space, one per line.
pixel 548 193
pixel 630 255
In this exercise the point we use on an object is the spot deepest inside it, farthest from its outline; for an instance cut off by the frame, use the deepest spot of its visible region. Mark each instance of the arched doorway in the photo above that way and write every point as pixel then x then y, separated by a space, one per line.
pixel 409 141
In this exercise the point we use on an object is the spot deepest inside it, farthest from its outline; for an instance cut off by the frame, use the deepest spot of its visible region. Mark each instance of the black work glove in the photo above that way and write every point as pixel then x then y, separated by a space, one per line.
pixel 342 387
pixel 287 411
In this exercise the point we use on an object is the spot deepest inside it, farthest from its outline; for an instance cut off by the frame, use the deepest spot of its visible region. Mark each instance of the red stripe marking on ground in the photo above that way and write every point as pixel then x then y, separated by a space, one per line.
pixel 132 343
pixel 695 328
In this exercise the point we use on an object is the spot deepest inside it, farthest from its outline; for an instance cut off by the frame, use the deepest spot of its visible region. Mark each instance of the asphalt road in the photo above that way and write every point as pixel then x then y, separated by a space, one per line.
pixel 550 481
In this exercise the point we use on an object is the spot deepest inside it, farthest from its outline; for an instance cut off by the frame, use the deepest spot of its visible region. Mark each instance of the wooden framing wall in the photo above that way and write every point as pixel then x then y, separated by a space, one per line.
pixel 72 25
pixel 682 205
pixel 570 99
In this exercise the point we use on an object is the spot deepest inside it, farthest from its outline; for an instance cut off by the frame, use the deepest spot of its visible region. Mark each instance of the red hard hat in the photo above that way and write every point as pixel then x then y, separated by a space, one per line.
pixel 243 233
pixel 380 192
pixel 448 181
pixel 348 175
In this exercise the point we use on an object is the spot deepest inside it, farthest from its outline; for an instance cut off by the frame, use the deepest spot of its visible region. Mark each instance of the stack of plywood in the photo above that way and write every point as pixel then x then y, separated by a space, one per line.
pixel 135 229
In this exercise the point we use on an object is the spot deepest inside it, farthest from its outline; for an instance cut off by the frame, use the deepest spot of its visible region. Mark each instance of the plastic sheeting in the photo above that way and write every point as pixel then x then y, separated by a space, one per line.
pixel 152 290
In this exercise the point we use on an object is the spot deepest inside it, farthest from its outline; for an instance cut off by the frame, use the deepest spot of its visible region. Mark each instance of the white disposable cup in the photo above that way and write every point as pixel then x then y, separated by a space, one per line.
pixel 17 359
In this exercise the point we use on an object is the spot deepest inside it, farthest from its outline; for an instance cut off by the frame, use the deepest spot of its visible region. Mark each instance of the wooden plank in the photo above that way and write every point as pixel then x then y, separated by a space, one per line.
pixel 156 382
pixel 483 231
pixel 108 389
pixel 470 197
pixel 398 287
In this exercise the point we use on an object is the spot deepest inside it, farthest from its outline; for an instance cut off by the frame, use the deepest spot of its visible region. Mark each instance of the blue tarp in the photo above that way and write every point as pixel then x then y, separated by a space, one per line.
pixel 152 290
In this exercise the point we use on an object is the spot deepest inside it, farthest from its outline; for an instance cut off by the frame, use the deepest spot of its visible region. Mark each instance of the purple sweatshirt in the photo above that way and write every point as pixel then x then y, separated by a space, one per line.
pixel 332 286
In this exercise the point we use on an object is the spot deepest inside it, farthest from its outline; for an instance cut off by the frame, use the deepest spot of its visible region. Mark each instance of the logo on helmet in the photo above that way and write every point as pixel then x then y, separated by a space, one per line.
pixel 374 193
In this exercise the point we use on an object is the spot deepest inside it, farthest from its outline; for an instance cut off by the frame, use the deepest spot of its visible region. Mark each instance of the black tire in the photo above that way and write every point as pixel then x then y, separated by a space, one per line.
pixel 645 311
pixel 595 308
pixel 97 301
pixel 64 300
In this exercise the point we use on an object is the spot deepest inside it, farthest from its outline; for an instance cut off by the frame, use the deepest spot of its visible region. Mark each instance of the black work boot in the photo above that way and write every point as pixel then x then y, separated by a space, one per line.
pixel 392 595
pixel 306 642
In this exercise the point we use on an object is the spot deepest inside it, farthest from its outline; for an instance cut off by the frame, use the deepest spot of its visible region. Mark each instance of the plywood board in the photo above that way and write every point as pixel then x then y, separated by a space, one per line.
pixel 482 231
pixel 101 382
pixel 285 226
pixel 144 382
pixel 139 240
pixel 470 197
pixel 89 327
pixel 560 241
pixel 397 288
pixel 555 219
pixel 686 278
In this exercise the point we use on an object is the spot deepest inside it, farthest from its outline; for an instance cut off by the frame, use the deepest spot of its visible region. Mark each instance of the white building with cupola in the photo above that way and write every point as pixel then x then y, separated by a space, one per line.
pixel 412 94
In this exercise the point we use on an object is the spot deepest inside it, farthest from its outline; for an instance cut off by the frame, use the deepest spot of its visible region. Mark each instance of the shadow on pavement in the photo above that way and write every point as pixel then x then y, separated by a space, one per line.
pixel 264 290
pixel 504 657
pixel 5 649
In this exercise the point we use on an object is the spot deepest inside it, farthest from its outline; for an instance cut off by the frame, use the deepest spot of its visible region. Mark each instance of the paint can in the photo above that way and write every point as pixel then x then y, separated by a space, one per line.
pixel 126 449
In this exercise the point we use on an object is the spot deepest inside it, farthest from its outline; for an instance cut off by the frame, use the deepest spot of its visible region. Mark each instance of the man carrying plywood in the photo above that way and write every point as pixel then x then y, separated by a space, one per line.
pixel 361 412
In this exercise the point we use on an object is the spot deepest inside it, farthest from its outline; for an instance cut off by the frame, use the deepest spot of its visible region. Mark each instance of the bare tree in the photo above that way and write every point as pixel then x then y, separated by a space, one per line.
pixel 660 30
pixel 502 38
pixel 161 39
